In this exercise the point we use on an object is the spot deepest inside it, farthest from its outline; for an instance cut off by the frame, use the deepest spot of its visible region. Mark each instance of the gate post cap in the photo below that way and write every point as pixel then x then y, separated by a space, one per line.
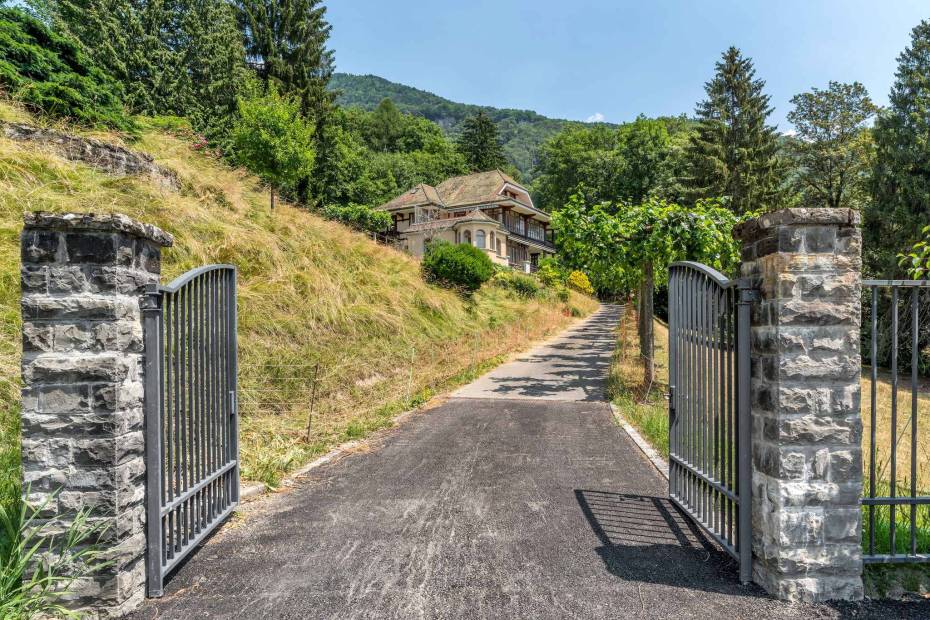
pixel 102 222
pixel 751 230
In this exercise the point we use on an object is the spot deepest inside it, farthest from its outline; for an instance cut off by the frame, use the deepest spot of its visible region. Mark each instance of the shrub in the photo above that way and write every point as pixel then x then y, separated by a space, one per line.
pixel 50 74
pixel 580 282
pixel 359 217
pixel 522 285
pixel 460 266
pixel 31 583
pixel 550 273
pixel 562 293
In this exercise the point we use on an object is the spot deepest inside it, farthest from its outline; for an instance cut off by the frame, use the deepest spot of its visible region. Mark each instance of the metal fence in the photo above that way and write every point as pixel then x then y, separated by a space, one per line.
pixel 192 448
pixel 895 314
pixel 709 429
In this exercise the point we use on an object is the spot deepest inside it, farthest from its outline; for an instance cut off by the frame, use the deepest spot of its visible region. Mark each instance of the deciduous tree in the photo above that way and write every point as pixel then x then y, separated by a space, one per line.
pixel 832 147
pixel 272 139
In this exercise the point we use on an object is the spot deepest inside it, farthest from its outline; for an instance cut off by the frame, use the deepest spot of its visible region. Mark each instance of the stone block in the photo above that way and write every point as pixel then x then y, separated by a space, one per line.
pixel 807 426
pixel 40 246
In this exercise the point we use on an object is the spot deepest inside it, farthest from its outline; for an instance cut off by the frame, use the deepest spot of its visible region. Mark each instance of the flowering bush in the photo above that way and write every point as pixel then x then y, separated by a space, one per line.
pixel 580 282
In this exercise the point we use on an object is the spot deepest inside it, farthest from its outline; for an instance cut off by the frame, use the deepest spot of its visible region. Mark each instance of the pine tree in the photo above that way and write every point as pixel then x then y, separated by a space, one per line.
pixel 177 57
pixel 211 51
pixel 901 174
pixel 479 144
pixel 285 40
pixel 734 153
pixel 386 127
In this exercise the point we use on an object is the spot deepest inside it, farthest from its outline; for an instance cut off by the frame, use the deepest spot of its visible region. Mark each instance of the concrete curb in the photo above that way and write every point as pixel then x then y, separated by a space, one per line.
pixel 654 457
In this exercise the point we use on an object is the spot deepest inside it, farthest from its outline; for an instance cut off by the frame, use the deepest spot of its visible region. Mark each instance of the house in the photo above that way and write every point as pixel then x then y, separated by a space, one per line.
pixel 488 210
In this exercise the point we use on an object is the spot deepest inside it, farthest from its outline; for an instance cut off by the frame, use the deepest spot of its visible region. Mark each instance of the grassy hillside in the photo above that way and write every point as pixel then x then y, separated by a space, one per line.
pixel 522 131
pixel 316 300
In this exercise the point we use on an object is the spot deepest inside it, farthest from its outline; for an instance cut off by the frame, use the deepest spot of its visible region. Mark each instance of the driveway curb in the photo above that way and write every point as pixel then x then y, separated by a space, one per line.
pixel 654 457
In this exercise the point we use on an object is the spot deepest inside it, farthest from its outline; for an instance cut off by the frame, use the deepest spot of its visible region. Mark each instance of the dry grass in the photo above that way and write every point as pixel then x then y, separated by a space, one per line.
pixel 645 407
pixel 311 291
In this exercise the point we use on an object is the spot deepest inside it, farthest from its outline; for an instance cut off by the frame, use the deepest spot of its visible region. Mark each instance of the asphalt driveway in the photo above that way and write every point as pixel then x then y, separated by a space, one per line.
pixel 518 498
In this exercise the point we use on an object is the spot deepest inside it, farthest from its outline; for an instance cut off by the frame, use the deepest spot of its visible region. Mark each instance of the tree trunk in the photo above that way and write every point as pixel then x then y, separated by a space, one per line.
pixel 272 198
pixel 646 325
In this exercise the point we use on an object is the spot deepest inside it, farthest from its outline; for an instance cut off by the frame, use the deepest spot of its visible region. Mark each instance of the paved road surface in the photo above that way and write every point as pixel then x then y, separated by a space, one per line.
pixel 518 499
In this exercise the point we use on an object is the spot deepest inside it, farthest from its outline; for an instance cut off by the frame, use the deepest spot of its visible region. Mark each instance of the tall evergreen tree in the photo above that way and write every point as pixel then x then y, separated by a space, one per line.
pixel 386 126
pixel 480 145
pixel 212 53
pixel 180 57
pixel 901 174
pixel 733 152
pixel 285 40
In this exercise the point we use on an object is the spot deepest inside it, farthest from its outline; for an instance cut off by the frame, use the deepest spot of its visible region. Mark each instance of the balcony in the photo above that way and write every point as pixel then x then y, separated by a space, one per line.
pixel 538 240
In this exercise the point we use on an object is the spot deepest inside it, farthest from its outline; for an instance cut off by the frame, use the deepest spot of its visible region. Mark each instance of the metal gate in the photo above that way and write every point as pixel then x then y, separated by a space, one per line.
pixel 709 425
pixel 191 429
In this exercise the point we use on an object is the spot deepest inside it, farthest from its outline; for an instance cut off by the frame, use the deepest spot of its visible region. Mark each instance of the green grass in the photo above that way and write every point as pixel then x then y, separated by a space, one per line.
pixel 645 407
pixel 311 291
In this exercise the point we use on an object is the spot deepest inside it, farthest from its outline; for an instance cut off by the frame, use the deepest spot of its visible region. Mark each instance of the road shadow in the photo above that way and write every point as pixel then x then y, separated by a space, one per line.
pixel 646 538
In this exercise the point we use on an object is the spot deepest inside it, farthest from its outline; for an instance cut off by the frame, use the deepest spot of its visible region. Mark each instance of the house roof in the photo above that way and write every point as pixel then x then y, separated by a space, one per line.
pixel 421 194
pixel 474 188
pixel 469 189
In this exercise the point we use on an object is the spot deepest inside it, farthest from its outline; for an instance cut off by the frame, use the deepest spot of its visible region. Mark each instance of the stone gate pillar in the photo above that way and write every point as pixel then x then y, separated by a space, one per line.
pixel 806 421
pixel 82 424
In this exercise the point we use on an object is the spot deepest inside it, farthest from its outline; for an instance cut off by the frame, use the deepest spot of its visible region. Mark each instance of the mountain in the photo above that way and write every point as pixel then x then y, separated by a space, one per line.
pixel 522 131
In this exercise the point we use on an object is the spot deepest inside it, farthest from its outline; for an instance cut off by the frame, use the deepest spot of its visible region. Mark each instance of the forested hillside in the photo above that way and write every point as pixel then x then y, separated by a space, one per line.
pixel 522 131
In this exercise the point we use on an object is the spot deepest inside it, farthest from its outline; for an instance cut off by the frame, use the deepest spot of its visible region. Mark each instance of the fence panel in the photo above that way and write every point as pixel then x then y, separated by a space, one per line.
pixel 897 521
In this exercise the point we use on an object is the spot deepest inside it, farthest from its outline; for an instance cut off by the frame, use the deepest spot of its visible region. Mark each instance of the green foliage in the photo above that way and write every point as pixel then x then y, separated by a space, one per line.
pixel 550 272
pixel 461 266
pixel 916 262
pixel 612 244
pixel 626 164
pixel 360 217
pixel 832 148
pixel 734 153
pixel 900 205
pixel 521 131
pixel 523 285
pixel 31 581
pixel 50 74
pixel 480 145
pixel 286 40
pixel 369 169
pixel 580 282
pixel 272 139
pixel 183 58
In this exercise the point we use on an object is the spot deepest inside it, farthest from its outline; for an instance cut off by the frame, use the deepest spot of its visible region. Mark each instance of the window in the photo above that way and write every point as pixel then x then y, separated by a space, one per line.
pixel 468 237
pixel 479 239
pixel 492 238
pixel 498 247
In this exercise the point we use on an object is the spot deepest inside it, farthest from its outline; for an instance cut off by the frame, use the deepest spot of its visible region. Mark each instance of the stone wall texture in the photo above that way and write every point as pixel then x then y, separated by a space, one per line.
pixel 82 424
pixel 806 421
pixel 103 155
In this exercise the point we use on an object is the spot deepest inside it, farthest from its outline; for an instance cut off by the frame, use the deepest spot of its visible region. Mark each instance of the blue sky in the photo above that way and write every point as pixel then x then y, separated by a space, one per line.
pixel 580 58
